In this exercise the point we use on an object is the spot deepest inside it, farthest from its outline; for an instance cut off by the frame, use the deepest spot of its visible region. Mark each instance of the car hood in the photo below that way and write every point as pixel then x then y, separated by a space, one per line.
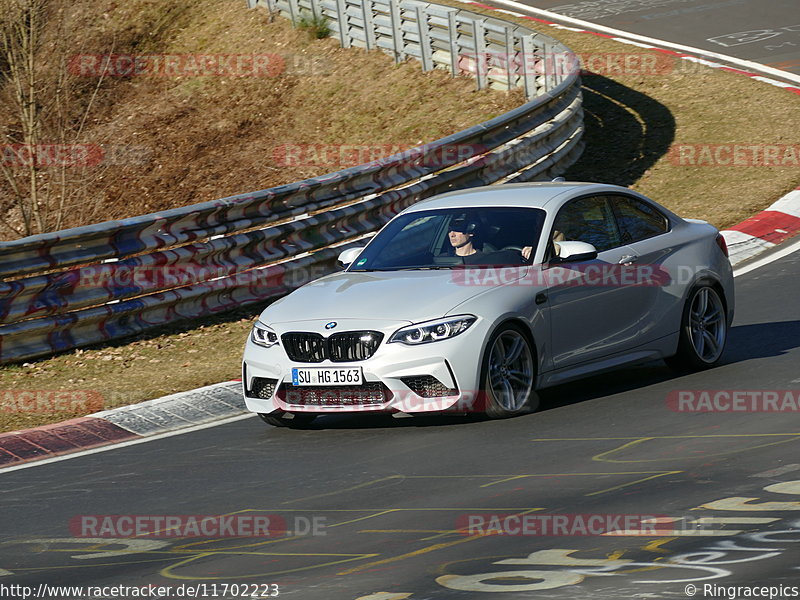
pixel 386 295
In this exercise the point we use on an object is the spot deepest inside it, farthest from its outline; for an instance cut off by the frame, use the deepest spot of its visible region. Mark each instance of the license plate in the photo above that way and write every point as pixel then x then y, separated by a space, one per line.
pixel 327 376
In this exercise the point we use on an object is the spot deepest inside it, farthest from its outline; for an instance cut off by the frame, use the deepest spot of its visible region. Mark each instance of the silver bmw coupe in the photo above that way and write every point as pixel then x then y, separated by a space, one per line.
pixel 473 300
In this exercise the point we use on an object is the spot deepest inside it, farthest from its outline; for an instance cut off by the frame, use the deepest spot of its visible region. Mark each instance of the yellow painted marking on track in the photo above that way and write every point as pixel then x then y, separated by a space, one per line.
pixel 419 552
pixel 429 548
pixel 378 514
pixel 505 480
pixel 408 531
pixel 92 565
pixel 655 545
pixel 603 456
pixel 347 489
pixel 168 571
pixel 642 480
pixel 283 539
pixel 440 535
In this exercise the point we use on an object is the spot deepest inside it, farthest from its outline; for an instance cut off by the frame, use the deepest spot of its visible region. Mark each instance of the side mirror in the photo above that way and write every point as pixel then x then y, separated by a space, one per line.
pixel 575 251
pixel 349 255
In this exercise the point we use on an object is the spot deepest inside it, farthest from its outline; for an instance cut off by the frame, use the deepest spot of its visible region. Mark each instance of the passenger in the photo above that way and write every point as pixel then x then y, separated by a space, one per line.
pixel 557 237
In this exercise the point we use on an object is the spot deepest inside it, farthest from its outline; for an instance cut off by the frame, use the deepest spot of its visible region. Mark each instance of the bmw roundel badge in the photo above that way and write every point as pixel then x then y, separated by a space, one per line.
pixel 330 325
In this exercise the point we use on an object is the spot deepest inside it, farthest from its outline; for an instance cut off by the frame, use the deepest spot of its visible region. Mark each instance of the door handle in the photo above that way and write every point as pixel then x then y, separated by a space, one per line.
pixel 541 298
pixel 628 259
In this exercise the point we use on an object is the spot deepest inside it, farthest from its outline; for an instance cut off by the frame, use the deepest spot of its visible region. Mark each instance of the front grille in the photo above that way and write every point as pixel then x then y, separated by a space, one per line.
pixel 262 388
pixel 356 395
pixel 347 346
pixel 428 386
pixel 353 345
pixel 304 347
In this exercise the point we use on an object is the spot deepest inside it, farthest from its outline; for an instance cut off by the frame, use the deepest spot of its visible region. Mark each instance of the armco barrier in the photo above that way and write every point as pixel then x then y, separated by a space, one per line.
pixel 499 54
pixel 81 286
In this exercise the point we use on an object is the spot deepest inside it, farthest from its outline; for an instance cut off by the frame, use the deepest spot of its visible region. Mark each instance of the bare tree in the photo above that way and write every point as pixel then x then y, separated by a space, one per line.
pixel 42 109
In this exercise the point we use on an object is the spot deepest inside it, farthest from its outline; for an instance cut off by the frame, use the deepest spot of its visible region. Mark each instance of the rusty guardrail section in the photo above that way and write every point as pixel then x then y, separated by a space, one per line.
pixel 106 281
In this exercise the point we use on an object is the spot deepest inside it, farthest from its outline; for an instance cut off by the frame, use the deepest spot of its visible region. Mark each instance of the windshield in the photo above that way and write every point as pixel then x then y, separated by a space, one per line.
pixel 449 238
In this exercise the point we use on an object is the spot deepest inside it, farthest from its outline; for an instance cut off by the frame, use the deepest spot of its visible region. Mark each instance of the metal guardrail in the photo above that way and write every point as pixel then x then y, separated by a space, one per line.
pixel 497 53
pixel 90 284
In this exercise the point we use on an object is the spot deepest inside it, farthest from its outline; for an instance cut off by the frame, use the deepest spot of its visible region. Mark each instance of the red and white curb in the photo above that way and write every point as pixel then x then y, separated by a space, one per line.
pixel 764 230
pixel 184 410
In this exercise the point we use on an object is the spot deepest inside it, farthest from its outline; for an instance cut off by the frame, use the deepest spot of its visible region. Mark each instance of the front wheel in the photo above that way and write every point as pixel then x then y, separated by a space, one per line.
pixel 509 374
pixel 704 331
pixel 279 419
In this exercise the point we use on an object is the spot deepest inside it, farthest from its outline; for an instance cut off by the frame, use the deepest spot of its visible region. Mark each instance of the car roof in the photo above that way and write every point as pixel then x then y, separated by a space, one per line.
pixel 529 195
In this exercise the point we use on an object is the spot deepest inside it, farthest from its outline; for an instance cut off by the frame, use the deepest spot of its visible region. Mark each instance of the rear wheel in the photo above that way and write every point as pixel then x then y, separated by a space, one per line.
pixel 509 374
pixel 279 419
pixel 704 331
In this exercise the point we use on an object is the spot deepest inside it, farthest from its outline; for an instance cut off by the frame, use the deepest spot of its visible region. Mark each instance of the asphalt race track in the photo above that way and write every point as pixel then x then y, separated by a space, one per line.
pixel 763 31
pixel 388 495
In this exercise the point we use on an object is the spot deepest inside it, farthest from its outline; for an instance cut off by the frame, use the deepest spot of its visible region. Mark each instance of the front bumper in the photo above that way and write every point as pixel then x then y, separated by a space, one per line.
pixel 434 377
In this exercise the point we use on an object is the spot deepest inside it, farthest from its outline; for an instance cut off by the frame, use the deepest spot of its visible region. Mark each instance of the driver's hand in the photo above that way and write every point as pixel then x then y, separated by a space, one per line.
pixel 526 252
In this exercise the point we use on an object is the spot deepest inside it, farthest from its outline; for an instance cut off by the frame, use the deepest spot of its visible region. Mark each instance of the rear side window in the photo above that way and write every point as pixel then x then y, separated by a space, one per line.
pixel 637 220
pixel 588 220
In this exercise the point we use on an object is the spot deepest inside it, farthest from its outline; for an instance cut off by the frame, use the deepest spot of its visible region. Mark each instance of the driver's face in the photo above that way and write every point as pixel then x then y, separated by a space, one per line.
pixel 459 238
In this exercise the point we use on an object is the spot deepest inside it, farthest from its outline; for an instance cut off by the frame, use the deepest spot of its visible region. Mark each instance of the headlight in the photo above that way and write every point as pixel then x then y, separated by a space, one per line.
pixel 263 335
pixel 433 331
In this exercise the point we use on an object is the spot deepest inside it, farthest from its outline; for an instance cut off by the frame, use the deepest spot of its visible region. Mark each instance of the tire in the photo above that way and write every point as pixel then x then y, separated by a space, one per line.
pixel 508 374
pixel 278 419
pixel 704 331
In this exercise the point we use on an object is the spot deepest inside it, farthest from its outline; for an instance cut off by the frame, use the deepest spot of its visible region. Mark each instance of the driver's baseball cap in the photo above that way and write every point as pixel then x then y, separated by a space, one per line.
pixel 462 225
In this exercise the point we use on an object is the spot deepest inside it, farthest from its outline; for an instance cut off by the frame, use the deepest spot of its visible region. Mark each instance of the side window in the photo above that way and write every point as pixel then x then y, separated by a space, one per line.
pixel 637 220
pixel 588 220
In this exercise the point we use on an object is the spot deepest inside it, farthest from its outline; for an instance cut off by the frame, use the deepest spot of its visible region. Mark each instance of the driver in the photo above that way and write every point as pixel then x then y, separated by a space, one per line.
pixel 461 234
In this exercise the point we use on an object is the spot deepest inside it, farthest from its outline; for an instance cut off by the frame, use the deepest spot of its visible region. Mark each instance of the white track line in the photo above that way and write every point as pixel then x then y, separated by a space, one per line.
pixel 792 247
pixel 744 64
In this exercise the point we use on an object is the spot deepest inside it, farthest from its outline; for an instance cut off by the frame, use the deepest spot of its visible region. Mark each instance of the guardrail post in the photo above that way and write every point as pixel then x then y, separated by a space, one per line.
pixel 529 66
pixel 315 9
pixel 251 3
pixel 452 30
pixel 344 35
pixel 369 23
pixel 550 61
pixel 424 39
pixel 397 30
pixel 478 34
pixel 511 59
pixel 294 12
